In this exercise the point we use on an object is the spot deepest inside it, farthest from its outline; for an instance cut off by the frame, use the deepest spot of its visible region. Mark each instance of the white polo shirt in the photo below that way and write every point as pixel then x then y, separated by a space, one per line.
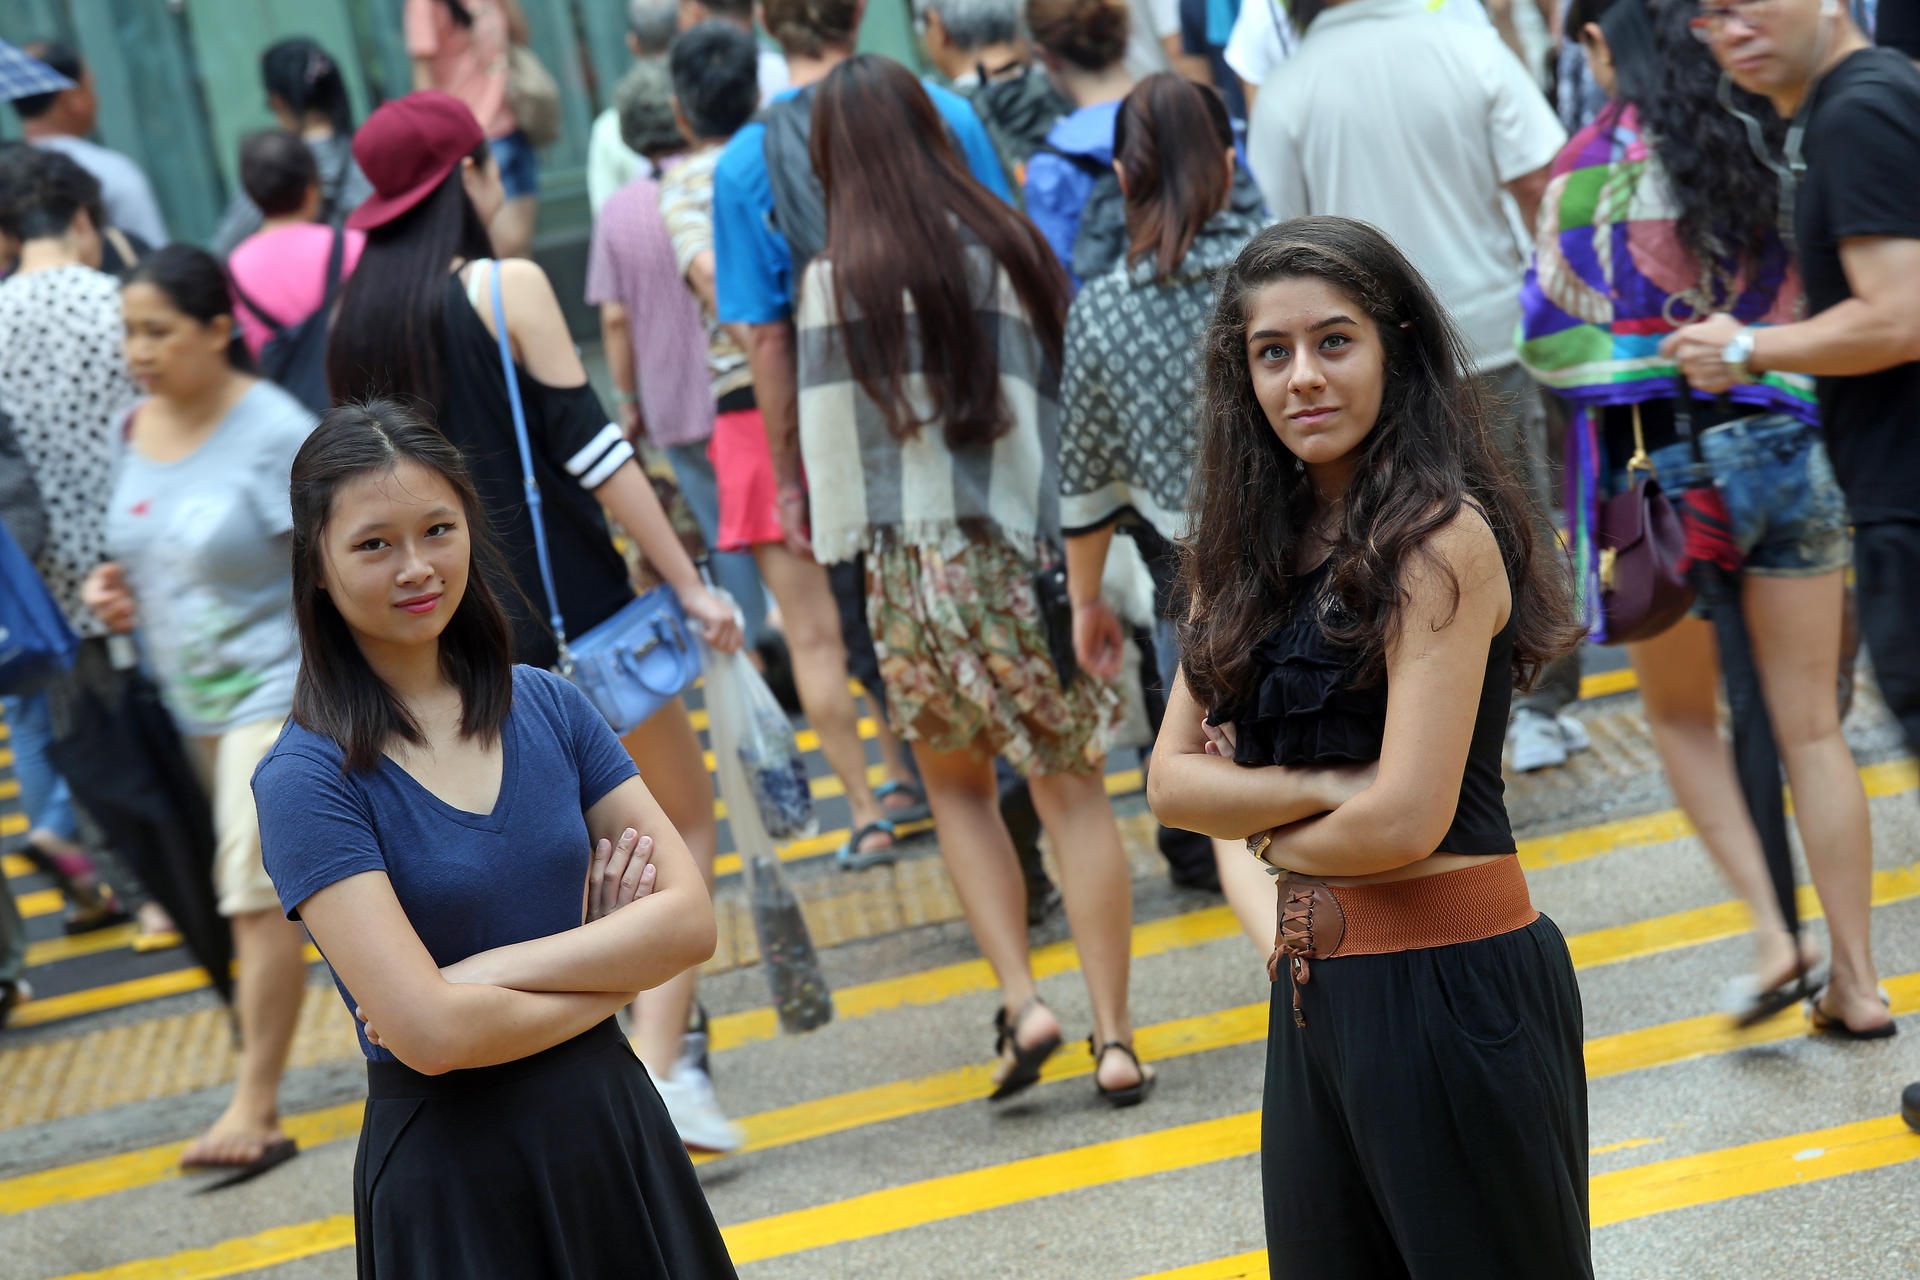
pixel 1263 36
pixel 1413 122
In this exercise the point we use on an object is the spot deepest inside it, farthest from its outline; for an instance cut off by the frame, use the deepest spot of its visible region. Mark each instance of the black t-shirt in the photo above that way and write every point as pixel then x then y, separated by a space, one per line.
pixel 575 449
pixel 1897 26
pixel 1863 179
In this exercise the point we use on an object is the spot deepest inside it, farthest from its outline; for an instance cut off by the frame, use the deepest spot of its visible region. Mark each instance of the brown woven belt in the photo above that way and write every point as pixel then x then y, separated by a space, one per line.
pixel 1320 921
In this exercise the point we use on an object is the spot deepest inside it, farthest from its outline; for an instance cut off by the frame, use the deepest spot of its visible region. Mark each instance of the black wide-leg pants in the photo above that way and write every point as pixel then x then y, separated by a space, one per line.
pixel 1430 1120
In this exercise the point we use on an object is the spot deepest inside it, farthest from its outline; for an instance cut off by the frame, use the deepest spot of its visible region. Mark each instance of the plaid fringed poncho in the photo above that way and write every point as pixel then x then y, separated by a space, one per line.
pixel 1610 278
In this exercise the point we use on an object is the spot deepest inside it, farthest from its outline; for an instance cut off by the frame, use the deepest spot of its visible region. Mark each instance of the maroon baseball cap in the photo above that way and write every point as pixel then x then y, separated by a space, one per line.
pixel 407 148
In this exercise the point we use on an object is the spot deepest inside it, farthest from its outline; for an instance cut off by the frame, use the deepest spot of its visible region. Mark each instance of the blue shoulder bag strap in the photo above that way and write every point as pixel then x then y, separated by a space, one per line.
pixel 535 511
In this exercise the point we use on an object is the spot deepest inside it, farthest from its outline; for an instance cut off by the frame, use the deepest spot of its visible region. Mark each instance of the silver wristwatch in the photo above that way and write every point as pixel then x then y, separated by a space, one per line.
pixel 1737 352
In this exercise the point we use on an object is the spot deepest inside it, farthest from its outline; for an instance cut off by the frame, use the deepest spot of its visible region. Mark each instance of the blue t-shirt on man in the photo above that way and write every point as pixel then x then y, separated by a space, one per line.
pixel 753 268
pixel 469 882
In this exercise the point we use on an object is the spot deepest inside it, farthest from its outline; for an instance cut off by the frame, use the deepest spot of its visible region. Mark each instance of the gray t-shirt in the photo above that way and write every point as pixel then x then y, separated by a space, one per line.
pixel 206 543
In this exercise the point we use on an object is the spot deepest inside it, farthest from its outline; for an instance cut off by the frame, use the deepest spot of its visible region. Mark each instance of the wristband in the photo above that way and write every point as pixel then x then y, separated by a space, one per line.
pixel 625 397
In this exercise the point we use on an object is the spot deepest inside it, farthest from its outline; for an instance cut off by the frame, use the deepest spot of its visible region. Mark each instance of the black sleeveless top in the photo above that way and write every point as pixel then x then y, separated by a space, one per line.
pixel 575 448
pixel 1305 710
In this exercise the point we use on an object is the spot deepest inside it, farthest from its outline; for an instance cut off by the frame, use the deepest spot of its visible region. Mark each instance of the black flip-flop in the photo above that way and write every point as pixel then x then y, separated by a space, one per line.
pixel 1826 1024
pixel 1026 1061
pixel 272 1156
pixel 1781 996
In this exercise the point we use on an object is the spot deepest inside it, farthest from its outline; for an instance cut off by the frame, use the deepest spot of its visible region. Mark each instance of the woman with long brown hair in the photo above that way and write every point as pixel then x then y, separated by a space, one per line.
pixel 930 335
pixel 1127 414
pixel 1365 588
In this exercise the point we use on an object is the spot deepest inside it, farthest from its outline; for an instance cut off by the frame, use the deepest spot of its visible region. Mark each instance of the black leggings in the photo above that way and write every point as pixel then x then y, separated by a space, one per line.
pixel 1430 1120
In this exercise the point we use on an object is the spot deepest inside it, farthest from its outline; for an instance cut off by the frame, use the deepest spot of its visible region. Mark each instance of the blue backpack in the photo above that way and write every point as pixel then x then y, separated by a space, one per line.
pixel 36 644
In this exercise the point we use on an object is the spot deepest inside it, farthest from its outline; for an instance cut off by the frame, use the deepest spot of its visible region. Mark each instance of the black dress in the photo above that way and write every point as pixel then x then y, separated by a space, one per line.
pixel 568 1167
pixel 563 1164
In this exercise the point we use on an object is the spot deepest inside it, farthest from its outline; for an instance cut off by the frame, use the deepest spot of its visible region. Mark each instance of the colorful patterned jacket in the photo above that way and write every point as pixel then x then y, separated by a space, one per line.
pixel 1610 278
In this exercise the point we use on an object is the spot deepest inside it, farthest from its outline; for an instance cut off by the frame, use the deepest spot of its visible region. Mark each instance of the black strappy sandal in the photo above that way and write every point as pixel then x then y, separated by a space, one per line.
pixel 1026 1062
pixel 1131 1095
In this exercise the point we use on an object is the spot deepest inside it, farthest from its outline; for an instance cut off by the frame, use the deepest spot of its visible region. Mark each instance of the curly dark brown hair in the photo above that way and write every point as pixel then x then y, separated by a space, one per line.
pixel 1429 454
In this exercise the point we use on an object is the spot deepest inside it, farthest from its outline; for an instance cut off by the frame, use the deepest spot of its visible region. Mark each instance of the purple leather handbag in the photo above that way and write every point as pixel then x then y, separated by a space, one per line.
pixel 1643 554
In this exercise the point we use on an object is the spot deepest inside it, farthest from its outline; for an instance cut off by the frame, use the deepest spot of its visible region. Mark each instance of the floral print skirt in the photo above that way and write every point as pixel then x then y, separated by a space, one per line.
pixel 963 652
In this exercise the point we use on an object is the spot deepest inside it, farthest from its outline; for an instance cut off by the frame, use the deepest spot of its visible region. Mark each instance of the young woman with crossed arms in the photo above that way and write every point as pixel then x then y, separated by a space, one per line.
pixel 428 815
pixel 1352 640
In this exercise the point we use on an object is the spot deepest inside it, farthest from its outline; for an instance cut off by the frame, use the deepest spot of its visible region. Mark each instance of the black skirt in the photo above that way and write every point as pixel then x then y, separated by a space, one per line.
pixel 562 1165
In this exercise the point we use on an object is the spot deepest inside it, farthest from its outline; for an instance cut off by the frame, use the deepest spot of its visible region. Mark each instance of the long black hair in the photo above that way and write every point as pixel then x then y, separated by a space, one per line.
pixel 1726 198
pixel 337 693
pixel 1430 453
pixel 389 335
pixel 196 284
pixel 305 77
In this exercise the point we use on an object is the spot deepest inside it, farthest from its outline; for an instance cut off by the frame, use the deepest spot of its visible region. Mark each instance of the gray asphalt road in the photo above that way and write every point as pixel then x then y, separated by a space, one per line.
pixel 1060 1187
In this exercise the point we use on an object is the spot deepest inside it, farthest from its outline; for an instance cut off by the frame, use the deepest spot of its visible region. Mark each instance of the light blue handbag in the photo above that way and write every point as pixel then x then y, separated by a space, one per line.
pixel 642 657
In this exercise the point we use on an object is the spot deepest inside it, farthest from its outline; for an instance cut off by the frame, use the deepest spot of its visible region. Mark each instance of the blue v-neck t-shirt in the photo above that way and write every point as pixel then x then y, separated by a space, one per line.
pixel 469 882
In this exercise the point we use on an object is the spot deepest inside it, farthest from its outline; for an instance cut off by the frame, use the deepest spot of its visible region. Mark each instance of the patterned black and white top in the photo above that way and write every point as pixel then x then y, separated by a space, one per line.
pixel 63 378
pixel 865 485
pixel 1128 389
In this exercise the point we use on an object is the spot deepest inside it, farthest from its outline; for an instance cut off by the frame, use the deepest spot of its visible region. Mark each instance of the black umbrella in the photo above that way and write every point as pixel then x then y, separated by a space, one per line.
pixel 1715 561
pixel 116 745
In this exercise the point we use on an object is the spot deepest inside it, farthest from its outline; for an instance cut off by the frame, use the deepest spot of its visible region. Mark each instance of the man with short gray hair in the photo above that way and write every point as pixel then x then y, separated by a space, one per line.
pixel 611 163
pixel 979 46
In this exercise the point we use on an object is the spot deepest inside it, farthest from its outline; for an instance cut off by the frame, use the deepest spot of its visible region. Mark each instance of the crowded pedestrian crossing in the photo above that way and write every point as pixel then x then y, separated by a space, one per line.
pixel 869 1154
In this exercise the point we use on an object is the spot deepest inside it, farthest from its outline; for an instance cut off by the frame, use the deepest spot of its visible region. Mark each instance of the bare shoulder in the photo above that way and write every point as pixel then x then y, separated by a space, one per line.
pixel 524 283
pixel 1460 573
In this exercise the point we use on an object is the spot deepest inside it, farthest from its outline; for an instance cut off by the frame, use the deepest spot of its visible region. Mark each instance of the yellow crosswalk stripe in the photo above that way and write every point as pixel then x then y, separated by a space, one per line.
pixel 230 1257
pixel 1622 680
pixel 81 944
pixel 1700 1037
pixel 1710 1176
pixel 115 994
pixel 1890 777
pixel 85 1179
pixel 957 1195
pixel 1246 1024
pixel 41 902
pixel 1721 920
pixel 1120 783
pixel 1687 1181
pixel 13 864
pixel 1640 1191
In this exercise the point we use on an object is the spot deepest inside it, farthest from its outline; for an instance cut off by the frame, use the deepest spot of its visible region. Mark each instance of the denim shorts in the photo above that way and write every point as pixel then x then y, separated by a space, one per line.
pixel 1788 514
pixel 519 169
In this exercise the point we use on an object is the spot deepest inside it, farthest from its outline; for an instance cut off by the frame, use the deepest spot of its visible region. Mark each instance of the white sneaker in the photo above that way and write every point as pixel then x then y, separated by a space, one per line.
pixel 696 1114
pixel 1535 740
pixel 1573 733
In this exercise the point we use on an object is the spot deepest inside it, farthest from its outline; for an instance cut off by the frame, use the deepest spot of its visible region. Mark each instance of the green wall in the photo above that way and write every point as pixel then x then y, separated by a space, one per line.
pixel 179 85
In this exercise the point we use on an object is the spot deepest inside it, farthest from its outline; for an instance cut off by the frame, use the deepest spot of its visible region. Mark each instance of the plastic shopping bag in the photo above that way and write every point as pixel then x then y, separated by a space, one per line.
pixel 800 994
pixel 775 771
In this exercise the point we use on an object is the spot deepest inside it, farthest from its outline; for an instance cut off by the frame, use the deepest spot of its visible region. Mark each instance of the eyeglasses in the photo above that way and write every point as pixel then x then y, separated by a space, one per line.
pixel 1709 21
